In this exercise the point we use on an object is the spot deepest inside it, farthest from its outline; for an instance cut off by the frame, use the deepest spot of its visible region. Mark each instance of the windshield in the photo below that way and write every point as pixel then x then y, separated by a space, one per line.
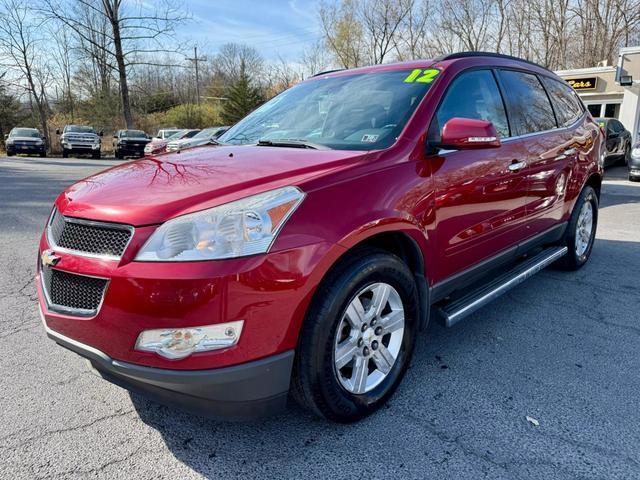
pixel 25 132
pixel 189 133
pixel 78 129
pixel 176 136
pixel 364 111
pixel 134 134
pixel 167 133
pixel 206 133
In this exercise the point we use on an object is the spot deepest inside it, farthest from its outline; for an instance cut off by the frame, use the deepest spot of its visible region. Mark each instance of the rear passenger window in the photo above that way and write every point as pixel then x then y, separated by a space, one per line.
pixel 564 100
pixel 529 102
pixel 474 95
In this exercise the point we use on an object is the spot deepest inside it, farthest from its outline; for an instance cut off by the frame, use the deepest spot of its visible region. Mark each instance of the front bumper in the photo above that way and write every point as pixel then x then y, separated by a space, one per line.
pixel 634 166
pixel 241 392
pixel 17 149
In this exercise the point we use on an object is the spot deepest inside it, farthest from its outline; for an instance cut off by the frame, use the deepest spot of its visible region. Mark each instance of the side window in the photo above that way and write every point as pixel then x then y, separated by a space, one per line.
pixel 528 102
pixel 565 103
pixel 474 95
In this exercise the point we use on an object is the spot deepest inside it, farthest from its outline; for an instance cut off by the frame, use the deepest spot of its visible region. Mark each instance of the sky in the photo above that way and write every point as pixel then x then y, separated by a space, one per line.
pixel 276 28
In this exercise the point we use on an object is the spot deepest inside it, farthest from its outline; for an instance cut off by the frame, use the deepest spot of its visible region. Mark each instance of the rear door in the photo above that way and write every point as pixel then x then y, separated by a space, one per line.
pixel 480 196
pixel 547 150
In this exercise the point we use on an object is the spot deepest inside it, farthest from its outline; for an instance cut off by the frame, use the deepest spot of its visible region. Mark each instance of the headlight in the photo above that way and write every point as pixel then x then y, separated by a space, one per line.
pixel 38 142
pixel 244 227
pixel 635 152
pixel 176 343
pixel 9 141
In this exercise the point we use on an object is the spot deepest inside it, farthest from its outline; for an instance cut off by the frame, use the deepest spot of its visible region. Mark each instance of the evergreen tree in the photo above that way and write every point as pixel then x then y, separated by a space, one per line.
pixel 242 98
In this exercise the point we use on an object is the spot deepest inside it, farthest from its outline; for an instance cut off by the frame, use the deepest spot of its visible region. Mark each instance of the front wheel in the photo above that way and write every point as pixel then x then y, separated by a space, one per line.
pixel 358 337
pixel 581 230
pixel 95 155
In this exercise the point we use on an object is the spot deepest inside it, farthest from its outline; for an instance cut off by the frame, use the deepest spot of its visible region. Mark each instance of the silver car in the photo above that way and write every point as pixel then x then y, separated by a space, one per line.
pixel 204 137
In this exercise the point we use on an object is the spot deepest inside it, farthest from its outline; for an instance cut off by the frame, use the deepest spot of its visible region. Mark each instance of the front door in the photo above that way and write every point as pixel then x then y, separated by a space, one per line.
pixel 480 194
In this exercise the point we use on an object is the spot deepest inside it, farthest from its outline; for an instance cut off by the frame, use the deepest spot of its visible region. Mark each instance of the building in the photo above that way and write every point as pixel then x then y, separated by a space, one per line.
pixel 611 91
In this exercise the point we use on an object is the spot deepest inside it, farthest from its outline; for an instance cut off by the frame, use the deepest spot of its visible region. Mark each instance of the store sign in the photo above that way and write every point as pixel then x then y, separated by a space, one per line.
pixel 583 83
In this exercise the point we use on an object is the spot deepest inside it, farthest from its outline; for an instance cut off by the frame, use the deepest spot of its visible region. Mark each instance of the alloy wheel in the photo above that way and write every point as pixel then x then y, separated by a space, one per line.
pixel 584 229
pixel 369 338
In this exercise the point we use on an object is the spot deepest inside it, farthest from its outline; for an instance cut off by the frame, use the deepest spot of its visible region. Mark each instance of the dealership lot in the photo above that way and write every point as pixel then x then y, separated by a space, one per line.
pixel 561 349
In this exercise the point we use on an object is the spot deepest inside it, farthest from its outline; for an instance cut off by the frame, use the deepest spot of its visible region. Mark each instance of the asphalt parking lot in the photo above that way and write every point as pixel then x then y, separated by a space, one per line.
pixel 563 349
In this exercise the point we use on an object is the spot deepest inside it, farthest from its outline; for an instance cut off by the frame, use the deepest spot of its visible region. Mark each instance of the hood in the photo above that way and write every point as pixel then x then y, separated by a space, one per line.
pixel 155 189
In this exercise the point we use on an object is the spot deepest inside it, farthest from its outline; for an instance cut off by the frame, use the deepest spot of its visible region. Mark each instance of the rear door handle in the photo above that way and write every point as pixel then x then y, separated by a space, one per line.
pixel 516 166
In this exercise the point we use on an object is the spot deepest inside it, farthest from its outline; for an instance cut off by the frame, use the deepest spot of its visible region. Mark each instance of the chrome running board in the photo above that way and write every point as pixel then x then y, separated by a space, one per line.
pixel 455 311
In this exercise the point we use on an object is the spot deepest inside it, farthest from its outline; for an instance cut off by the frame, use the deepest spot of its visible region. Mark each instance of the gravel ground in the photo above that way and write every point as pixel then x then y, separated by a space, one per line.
pixel 562 348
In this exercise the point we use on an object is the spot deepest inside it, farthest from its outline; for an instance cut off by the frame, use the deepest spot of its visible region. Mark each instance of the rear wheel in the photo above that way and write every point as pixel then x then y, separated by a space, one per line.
pixel 358 337
pixel 581 231
pixel 627 155
pixel 65 154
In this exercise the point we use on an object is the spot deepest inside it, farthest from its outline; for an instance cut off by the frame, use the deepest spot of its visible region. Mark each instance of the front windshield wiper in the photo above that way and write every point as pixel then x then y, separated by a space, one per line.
pixel 291 142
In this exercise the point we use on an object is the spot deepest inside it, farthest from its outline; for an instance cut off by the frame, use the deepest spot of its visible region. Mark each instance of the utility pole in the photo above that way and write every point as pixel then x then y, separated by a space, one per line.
pixel 195 60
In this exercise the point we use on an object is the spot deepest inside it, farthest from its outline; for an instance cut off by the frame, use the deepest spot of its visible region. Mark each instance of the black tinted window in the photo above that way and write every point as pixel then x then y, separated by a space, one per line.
pixel 617 126
pixel 529 102
pixel 565 101
pixel 474 95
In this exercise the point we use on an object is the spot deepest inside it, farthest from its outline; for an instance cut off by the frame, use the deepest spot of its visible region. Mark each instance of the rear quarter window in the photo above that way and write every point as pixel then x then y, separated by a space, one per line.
pixel 529 106
pixel 565 102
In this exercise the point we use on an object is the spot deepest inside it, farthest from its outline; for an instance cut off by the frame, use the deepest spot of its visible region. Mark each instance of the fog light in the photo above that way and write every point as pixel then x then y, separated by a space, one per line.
pixel 176 343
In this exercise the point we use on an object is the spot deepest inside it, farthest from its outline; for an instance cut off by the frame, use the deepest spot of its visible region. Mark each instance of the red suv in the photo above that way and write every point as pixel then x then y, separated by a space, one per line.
pixel 304 252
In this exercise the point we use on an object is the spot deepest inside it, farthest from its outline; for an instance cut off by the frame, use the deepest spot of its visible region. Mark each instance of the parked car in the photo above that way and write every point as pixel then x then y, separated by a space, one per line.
pixel 305 252
pixel 80 139
pixel 130 143
pixel 634 163
pixel 25 140
pixel 165 133
pixel 203 137
pixel 618 144
pixel 158 146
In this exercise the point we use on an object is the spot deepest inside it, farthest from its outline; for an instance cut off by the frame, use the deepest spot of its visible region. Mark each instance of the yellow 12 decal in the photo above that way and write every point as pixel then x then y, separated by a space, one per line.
pixel 422 76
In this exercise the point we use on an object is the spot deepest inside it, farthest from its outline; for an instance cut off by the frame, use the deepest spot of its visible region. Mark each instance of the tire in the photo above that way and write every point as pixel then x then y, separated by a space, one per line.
pixel 626 156
pixel 319 383
pixel 65 154
pixel 118 155
pixel 634 179
pixel 95 155
pixel 10 154
pixel 580 251
pixel 43 154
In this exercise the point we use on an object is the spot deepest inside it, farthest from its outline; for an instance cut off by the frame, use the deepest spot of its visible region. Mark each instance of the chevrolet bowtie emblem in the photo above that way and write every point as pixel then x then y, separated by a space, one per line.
pixel 49 258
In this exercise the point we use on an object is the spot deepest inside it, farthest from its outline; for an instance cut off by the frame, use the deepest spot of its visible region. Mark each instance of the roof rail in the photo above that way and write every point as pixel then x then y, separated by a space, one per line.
pixel 453 56
pixel 327 72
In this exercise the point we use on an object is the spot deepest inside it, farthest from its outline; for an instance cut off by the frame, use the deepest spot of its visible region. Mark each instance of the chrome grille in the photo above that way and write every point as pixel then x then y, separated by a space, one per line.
pixel 89 238
pixel 70 293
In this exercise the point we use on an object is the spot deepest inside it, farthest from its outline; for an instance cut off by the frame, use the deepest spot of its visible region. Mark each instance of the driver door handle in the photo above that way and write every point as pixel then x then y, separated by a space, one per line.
pixel 517 166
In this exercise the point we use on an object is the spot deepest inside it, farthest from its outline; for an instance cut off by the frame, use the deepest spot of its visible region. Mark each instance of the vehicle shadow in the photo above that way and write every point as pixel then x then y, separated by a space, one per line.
pixel 618 189
pixel 467 391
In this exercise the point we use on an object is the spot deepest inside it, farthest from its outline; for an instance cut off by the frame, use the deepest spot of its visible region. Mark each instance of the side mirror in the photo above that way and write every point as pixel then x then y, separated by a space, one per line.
pixel 57 131
pixel 100 133
pixel 612 135
pixel 468 133
pixel 6 137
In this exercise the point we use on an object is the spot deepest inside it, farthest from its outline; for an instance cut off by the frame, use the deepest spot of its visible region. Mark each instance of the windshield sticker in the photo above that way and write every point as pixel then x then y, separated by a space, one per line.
pixel 422 76
pixel 369 138
pixel 602 124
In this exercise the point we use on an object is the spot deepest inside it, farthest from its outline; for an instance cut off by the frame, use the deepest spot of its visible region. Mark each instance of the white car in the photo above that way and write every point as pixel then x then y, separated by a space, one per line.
pixel 204 137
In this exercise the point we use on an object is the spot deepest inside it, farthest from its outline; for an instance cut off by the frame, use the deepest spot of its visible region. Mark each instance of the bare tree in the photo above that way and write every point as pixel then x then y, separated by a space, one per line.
pixel 136 34
pixel 343 32
pixel 20 46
